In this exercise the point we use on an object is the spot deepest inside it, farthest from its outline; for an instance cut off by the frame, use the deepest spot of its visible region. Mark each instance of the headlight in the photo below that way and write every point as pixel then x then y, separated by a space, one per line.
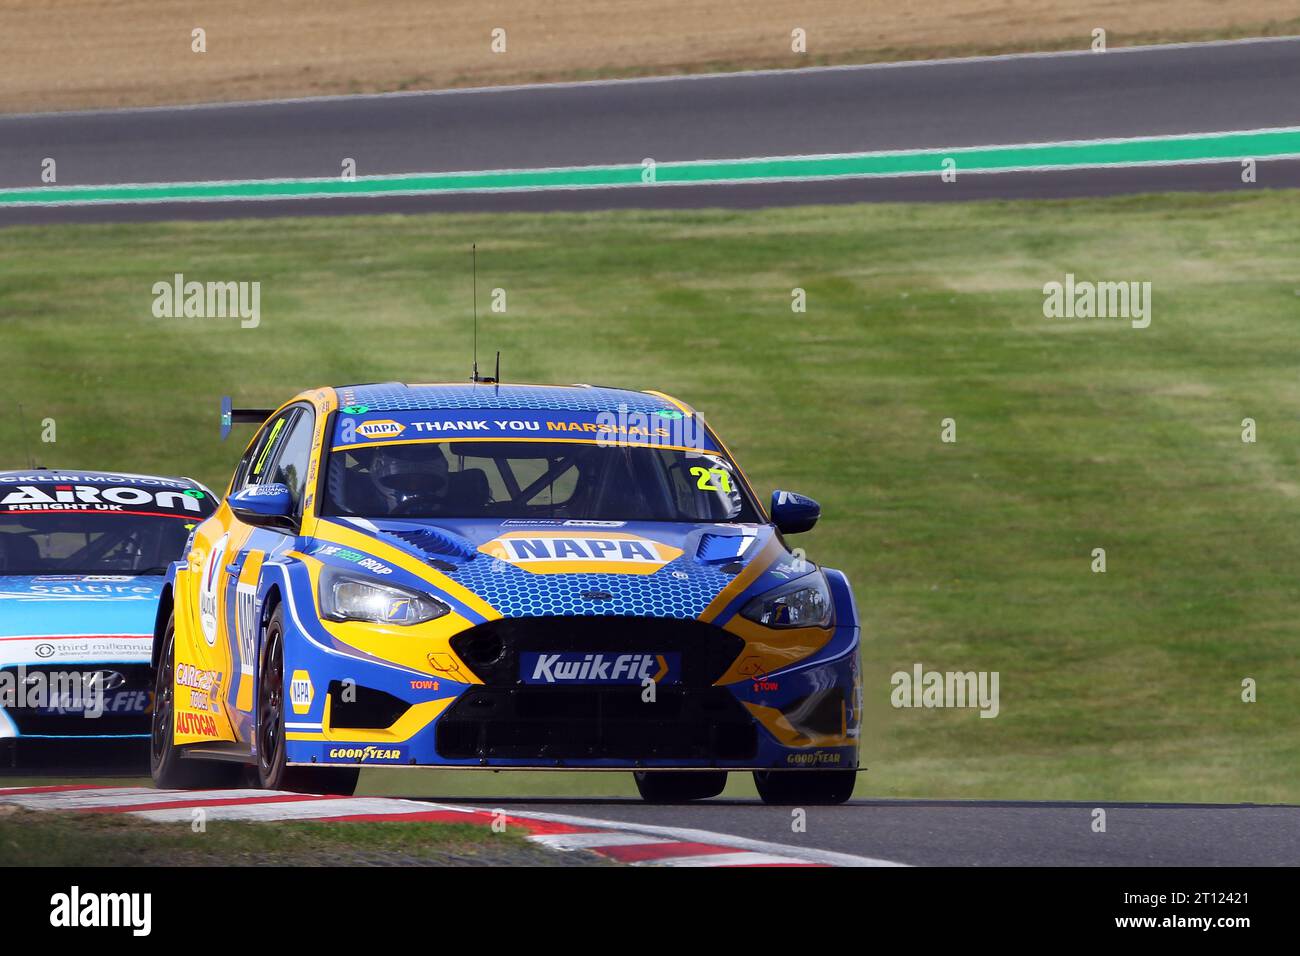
pixel 803 603
pixel 346 597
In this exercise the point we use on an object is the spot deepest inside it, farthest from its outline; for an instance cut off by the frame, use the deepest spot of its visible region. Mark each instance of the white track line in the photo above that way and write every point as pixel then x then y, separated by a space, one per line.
pixel 741 858
pixel 327 809
pixel 589 841
pixel 689 835
pixel 82 799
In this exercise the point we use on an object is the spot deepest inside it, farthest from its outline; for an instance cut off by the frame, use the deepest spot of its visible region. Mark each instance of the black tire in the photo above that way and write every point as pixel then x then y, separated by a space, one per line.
pixel 169 769
pixel 805 787
pixel 272 771
pixel 680 786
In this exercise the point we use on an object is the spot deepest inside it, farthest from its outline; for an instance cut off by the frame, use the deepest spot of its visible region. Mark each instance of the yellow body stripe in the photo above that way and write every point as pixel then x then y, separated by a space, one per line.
pixel 784 731
pixel 249 576
pixel 744 579
pixel 680 406
pixel 767 650
pixel 329 530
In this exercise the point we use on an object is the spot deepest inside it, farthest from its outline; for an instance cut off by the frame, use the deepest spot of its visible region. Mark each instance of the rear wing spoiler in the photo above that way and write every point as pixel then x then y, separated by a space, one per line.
pixel 240 416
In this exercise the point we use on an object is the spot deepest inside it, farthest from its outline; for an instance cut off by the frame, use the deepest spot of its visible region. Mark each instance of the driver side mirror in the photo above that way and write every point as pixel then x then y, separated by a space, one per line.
pixel 263 506
pixel 794 513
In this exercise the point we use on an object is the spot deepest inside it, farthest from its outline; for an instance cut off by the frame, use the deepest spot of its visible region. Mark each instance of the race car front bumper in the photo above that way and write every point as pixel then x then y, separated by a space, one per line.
pixel 59 702
pixel 372 713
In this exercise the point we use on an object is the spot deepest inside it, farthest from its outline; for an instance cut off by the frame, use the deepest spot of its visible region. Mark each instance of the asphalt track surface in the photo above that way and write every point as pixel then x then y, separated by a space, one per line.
pixel 980 833
pixel 909 832
pixel 922 832
pixel 1177 90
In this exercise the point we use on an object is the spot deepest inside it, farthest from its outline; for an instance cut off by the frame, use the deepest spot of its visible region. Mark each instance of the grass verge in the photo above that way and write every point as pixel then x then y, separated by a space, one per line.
pixel 1072 434
pixel 29 838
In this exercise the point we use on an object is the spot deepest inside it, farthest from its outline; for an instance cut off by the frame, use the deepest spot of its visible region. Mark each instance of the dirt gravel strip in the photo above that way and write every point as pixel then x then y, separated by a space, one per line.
pixel 622 843
pixel 114 53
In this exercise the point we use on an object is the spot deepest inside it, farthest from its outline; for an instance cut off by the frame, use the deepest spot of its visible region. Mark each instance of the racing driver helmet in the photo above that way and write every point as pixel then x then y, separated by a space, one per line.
pixel 403 473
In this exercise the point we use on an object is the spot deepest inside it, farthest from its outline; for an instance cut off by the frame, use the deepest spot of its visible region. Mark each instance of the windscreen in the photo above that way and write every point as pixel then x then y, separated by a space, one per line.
pixel 539 479
pixel 45 543
pixel 74 523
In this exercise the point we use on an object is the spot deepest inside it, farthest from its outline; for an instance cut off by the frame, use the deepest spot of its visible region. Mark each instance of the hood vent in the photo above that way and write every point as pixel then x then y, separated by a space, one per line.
pixel 720 548
pixel 436 545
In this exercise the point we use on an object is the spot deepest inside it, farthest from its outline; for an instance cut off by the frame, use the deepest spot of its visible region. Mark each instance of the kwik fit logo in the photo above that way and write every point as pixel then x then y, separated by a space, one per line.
pixel 541 668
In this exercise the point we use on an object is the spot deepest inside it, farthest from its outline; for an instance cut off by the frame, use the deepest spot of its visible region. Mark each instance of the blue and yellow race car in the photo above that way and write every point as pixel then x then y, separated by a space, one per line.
pixel 503 576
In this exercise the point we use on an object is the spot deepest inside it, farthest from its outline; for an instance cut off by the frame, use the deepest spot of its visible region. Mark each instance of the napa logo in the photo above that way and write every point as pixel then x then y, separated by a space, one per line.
pixel 301 692
pixel 576 552
pixel 380 428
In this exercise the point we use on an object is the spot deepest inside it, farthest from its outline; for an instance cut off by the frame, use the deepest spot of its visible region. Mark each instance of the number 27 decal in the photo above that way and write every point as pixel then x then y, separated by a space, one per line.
pixel 712 479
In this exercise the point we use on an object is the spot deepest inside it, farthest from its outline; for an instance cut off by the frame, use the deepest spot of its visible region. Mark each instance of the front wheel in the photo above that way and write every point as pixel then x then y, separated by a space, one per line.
pixel 680 786
pixel 813 787
pixel 169 769
pixel 273 772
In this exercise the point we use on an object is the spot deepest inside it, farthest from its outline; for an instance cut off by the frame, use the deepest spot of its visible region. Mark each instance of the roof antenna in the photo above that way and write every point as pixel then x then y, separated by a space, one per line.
pixel 27 448
pixel 480 379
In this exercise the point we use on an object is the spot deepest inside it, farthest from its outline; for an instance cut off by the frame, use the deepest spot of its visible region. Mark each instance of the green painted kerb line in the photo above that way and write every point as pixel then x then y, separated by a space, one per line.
pixel 1215 147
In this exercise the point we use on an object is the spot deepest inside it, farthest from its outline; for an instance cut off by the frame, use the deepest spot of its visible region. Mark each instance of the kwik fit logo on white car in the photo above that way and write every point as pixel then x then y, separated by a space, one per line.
pixel 598 668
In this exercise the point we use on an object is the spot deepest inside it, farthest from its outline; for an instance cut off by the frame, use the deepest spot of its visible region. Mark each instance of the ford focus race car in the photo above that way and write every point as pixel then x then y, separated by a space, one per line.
pixel 82 560
pixel 507 577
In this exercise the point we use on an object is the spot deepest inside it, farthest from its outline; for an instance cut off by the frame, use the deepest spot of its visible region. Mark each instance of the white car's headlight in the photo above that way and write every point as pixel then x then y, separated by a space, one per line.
pixel 802 603
pixel 348 597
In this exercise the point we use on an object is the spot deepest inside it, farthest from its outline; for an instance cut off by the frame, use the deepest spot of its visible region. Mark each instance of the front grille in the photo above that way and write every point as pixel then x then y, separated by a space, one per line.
pixel 574 723
pixel 506 718
pixel 492 650
pixel 127 702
